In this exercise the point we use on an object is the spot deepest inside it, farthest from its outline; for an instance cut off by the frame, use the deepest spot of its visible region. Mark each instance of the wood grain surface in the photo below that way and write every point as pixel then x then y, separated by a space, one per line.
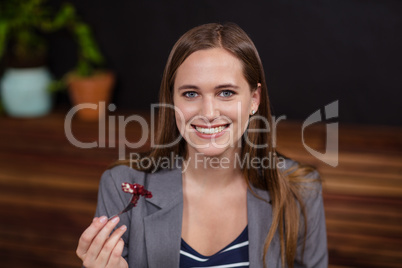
pixel 48 188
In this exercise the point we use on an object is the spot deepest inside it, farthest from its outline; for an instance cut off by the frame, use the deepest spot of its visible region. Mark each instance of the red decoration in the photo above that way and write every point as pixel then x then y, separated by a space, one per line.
pixel 136 190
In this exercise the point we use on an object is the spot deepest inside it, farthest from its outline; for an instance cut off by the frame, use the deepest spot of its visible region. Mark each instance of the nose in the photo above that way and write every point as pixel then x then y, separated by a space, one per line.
pixel 209 109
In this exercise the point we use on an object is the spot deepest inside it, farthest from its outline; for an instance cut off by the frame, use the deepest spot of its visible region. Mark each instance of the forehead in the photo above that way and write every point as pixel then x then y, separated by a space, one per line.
pixel 215 65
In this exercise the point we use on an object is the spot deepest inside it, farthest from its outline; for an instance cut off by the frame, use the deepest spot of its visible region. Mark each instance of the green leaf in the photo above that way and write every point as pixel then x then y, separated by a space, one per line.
pixel 24 22
pixel 3 37
pixel 57 85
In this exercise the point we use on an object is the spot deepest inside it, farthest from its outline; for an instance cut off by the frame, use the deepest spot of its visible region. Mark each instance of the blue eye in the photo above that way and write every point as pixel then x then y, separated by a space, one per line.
pixel 190 94
pixel 226 93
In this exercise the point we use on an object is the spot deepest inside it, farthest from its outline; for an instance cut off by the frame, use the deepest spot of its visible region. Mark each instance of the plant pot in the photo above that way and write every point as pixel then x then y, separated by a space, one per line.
pixel 90 90
pixel 24 92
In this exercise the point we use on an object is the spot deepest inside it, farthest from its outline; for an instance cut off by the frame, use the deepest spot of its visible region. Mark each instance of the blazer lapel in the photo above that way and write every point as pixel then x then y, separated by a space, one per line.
pixel 163 227
pixel 259 213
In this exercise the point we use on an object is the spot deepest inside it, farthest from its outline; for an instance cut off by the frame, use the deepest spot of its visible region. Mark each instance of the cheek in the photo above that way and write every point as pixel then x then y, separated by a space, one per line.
pixel 183 114
pixel 244 115
pixel 179 121
pixel 237 111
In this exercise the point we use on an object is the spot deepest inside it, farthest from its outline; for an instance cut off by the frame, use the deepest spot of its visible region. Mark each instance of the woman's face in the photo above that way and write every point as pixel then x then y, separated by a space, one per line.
pixel 213 102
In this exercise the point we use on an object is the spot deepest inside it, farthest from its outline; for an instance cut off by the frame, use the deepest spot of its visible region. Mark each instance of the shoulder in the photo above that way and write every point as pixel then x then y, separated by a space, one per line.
pixel 289 166
pixel 305 178
pixel 119 174
pixel 122 173
pixel 162 181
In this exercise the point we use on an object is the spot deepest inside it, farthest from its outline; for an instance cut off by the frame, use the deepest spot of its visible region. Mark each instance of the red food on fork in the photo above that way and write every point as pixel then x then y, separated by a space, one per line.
pixel 136 190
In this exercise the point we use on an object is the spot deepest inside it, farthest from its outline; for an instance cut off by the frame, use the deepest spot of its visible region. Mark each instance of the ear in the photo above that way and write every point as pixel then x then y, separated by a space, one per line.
pixel 256 98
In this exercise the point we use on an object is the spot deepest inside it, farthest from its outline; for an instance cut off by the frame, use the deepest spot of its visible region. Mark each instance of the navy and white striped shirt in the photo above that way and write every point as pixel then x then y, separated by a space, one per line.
pixel 233 255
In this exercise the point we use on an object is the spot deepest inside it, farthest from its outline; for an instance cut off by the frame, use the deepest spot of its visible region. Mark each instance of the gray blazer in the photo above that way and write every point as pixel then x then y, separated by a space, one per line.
pixel 153 237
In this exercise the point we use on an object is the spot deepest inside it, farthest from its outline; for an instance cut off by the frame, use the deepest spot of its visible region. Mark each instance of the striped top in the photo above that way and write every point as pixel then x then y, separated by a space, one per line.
pixel 233 255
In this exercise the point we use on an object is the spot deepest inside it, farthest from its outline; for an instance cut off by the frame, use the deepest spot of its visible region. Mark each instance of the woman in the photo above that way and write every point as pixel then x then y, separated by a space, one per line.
pixel 222 204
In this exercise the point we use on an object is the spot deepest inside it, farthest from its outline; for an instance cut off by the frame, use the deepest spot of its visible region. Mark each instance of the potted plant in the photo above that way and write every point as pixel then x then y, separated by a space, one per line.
pixel 88 83
pixel 26 80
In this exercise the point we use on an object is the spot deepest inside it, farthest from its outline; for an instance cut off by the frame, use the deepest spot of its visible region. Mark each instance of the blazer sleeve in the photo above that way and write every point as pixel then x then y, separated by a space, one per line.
pixel 111 201
pixel 316 250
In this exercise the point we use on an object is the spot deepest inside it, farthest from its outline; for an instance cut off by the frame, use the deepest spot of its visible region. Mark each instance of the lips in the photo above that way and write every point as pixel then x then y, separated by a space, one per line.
pixel 210 130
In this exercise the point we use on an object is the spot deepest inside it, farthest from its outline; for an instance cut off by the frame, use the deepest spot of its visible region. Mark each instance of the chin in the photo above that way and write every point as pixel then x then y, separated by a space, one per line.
pixel 212 151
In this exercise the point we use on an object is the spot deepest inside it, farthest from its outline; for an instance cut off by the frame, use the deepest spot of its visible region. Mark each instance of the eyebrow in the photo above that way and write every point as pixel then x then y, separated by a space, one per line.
pixel 217 87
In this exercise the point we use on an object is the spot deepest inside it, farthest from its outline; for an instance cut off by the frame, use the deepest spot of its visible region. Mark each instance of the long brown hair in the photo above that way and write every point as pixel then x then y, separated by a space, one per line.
pixel 287 204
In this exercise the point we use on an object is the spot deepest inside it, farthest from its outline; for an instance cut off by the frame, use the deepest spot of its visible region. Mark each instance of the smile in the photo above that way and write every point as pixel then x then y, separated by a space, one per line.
pixel 210 131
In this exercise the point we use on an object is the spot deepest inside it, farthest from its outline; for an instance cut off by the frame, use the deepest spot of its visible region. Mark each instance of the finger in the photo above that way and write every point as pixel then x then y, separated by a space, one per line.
pixel 109 246
pixel 99 240
pixel 116 260
pixel 89 234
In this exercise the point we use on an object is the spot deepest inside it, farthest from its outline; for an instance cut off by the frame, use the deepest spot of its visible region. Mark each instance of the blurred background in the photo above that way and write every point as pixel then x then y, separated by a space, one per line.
pixel 314 53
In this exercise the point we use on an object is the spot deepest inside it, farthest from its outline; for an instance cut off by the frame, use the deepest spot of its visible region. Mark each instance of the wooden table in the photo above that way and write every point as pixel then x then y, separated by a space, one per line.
pixel 48 189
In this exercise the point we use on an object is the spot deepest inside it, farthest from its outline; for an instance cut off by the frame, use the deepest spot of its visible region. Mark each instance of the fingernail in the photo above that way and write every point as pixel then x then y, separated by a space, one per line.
pixel 123 227
pixel 103 219
pixel 115 219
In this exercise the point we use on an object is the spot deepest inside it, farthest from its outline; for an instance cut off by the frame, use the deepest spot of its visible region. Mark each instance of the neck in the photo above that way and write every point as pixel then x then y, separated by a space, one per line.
pixel 212 172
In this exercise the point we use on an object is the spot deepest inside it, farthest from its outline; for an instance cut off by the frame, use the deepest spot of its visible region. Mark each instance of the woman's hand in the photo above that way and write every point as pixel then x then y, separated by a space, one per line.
pixel 98 248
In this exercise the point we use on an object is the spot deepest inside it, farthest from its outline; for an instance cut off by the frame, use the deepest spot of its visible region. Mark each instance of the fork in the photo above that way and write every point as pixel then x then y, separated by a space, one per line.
pixel 136 190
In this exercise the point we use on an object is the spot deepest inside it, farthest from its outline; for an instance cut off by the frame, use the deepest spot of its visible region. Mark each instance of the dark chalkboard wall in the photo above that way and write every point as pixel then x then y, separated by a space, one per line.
pixel 314 52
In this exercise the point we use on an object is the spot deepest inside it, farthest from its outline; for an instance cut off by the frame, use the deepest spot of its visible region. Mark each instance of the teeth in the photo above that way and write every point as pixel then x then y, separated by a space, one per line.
pixel 210 130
